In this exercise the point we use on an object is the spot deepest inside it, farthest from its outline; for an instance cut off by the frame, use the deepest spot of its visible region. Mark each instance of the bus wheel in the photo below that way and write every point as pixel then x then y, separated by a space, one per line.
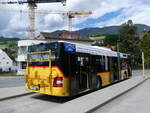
pixel 98 84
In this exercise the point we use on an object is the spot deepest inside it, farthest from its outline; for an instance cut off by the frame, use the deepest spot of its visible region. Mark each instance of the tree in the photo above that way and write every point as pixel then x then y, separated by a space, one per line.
pixel 145 47
pixel 129 41
pixel 111 40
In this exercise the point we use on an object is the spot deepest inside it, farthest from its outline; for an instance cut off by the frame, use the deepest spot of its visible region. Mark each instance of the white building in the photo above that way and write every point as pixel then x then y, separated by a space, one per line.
pixel 22 53
pixel 6 63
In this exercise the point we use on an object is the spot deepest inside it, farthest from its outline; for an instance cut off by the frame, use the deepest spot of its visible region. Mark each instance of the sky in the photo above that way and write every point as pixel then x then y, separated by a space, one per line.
pixel 104 13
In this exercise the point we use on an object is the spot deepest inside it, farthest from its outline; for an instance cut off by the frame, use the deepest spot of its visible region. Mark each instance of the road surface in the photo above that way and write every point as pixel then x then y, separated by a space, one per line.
pixel 11 81
pixel 134 101
pixel 35 103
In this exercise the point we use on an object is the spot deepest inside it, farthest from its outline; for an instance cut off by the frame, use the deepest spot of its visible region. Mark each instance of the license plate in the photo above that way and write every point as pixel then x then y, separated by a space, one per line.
pixel 34 87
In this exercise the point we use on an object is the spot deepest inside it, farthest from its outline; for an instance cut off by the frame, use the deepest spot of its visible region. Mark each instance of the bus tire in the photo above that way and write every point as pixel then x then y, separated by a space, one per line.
pixel 98 83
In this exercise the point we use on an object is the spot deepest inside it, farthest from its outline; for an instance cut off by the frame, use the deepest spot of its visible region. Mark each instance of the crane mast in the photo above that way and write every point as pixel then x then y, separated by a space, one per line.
pixel 31 24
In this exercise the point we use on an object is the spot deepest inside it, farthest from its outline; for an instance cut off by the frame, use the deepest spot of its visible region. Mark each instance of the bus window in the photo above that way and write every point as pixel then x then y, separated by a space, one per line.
pixel 98 63
pixel 106 63
pixel 23 64
pixel 41 59
pixel 45 56
pixel 102 64
pixel 124 64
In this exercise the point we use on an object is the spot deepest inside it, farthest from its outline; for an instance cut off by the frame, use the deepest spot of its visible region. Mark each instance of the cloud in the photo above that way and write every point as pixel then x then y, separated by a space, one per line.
pixel 133 12
pixel 138 11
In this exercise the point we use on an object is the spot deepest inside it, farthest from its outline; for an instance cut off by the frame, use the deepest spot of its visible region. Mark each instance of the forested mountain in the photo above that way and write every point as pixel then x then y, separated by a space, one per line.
pixel 105 30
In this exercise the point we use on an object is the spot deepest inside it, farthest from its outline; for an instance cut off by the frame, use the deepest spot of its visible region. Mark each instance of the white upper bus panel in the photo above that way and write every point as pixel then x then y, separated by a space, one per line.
pixel 72 47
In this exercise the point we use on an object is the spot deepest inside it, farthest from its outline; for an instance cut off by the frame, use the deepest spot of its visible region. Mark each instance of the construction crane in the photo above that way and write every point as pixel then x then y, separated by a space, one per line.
pixel 70 14
pixel 32 4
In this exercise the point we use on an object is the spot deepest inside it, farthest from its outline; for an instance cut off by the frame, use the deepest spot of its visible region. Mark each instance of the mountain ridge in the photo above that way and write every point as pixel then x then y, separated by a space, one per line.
pixel 104 30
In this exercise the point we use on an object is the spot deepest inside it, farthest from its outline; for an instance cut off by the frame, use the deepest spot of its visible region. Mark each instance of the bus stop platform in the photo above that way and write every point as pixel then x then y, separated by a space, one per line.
pixel 12 92
pixel 92 101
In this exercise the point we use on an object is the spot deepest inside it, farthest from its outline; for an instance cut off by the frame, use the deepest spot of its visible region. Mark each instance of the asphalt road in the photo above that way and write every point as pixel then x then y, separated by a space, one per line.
pixel 35 103
pixel 11 81
pixel 134 101
pixel 18 81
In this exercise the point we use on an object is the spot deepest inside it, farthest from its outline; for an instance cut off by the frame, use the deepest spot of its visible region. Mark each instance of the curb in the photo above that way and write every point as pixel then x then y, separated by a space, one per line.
pixel 15 96
pixel 102 104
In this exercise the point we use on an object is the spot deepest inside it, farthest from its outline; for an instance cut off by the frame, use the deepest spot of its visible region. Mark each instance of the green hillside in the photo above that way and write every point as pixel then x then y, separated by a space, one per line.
pixel 97 37
pixel 3 46
pixel 9 45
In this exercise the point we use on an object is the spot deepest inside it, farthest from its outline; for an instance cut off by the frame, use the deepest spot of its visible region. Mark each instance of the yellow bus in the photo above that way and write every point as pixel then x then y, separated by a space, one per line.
pixel 68 69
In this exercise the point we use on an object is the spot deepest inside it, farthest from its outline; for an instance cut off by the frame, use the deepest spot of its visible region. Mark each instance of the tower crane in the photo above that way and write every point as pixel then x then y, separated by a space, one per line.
pixel 70 15
pixel 32 4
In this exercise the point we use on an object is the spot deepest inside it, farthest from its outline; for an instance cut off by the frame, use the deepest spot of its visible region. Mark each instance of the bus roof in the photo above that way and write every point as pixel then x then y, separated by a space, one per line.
pixel 94 50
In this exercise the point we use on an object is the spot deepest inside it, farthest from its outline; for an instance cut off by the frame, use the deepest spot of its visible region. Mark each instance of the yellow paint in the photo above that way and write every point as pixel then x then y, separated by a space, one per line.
pixel 105 77
pixel 44 76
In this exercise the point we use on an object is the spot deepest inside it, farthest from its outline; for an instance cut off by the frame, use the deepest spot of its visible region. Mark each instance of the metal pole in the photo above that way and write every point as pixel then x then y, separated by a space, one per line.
pixel 119 67
pixel 143 65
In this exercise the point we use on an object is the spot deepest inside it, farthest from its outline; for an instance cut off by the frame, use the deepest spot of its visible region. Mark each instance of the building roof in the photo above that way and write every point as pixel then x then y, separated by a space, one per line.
pixel 29 42
pixel 4 53
pixel 67 36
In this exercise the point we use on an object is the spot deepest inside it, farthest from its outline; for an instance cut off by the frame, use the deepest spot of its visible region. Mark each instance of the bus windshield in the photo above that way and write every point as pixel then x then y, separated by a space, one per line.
pixel 42 54
pixel 43 47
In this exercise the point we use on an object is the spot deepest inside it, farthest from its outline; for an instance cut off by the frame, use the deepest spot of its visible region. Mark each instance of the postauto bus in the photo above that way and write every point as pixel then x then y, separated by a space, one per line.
pixel 67 69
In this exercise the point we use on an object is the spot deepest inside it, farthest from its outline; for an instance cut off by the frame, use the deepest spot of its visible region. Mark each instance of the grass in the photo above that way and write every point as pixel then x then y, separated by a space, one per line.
pixel 98 38
pixel 3 46
pixel 9 74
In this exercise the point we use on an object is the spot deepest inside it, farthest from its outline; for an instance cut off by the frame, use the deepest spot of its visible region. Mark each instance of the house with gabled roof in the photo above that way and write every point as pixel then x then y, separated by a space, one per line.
pixel 6 63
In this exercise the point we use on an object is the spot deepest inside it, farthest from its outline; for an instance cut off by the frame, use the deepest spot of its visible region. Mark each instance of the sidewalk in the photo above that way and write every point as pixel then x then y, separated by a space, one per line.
pixel 92 101
pixel 11 92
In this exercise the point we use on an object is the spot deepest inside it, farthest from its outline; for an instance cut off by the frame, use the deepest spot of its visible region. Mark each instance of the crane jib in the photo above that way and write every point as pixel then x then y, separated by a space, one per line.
pixel 29 1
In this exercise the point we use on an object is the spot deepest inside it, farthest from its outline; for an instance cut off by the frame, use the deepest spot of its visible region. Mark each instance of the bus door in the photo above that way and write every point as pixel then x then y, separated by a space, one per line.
pixel 115 69
pixel 78 69
pixel 84 75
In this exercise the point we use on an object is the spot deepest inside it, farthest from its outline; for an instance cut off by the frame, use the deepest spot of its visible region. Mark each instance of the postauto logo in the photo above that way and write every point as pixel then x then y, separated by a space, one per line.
pixel 69 47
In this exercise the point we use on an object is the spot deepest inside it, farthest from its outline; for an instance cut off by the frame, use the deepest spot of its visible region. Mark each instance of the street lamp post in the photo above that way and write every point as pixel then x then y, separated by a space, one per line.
pixel 143 65
pixel 118 41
